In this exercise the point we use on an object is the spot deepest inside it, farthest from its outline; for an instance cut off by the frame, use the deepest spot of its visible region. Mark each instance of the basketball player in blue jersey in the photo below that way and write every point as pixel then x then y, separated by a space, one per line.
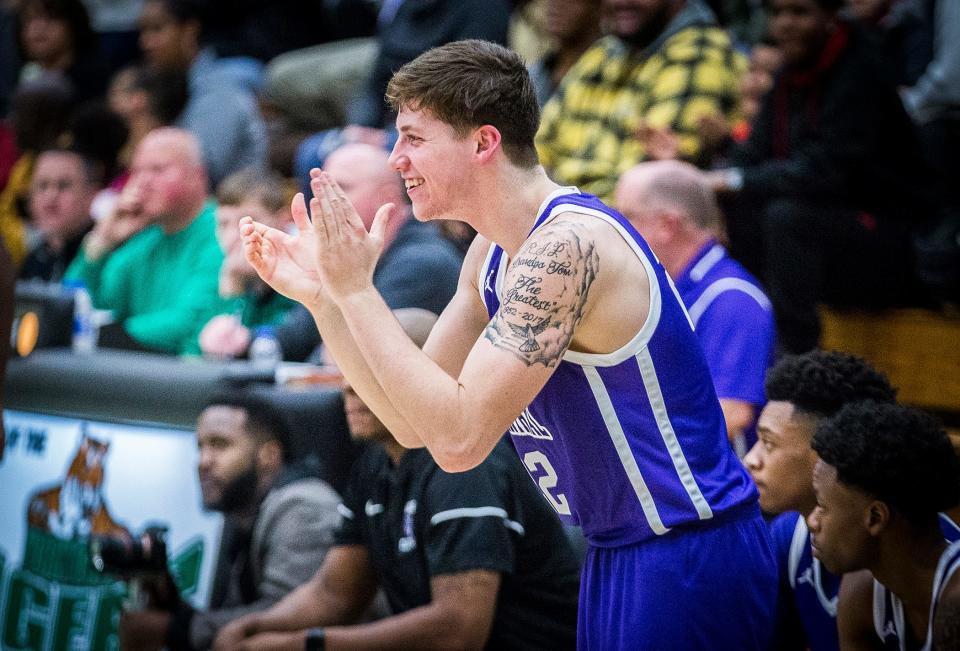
pixel 883 474
pixel 802 390
pixel 565 331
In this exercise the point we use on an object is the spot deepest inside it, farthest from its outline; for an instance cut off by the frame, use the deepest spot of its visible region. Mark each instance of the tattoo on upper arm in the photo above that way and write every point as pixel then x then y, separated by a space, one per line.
pixel 548 283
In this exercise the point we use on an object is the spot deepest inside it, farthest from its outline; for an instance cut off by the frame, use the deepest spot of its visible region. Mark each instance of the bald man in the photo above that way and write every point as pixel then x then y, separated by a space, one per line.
pixel 418 268
pixel 154 262
pixel 674 210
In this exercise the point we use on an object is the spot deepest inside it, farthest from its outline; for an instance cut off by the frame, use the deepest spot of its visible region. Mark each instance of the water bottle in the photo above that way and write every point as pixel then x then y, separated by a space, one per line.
pixel 84 329
pixel 265 350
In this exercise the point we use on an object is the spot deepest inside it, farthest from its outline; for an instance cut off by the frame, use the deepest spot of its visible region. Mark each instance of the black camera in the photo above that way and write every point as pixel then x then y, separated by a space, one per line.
pixel 129 556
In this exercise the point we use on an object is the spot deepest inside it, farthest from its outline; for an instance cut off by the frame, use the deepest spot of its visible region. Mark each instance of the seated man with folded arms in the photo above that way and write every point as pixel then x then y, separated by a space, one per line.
pixel 466 560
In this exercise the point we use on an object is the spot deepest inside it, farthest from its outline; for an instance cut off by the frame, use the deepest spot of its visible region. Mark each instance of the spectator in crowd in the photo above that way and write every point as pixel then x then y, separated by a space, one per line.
pixel 814 184
pixel 219 111
pixel 146 99
pixel 39 115
pixel 278 523
pixel 467 560
pixel 803 390
pixel 884 471
pixel 254 303
pixel 574 25
pixel 418 268
pixel 154 261
pixel 61 191
pixel 674 209
pixel 666 64
pixel 718 133
pixel 57 41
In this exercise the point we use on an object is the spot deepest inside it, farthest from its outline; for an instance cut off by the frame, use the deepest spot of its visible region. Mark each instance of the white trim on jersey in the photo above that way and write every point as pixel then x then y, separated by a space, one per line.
pixel 707 262
pixel 801 538
pixel 724 285
pixel 484 276
pixel 477 512
pixel 622 446
pixel 642 338
pixel 650 382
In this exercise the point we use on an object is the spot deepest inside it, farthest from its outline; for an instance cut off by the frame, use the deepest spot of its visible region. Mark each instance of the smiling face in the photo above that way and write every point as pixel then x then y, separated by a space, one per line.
pixel 434 162
pixel 838 524
pixel 781 461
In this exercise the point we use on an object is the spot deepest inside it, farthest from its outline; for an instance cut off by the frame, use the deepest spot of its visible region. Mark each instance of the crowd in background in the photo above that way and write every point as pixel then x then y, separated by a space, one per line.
pixel 828 131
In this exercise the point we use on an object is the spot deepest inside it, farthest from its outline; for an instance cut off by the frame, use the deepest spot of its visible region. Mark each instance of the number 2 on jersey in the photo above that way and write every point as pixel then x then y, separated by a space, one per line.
pixel 535 459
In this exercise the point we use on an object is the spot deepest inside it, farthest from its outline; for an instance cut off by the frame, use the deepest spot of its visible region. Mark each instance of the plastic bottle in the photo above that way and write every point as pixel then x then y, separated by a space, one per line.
pixel 265 349
pixel 84 328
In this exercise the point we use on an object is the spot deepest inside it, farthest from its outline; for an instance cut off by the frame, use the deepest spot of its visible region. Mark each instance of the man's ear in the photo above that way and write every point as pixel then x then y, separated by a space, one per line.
pixel 488 141
pixel 876 517
pixel 270 455
pixel 670 224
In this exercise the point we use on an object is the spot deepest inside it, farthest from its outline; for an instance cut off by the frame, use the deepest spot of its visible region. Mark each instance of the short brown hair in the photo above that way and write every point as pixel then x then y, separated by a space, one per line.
pixel 251 183
pixel 471 83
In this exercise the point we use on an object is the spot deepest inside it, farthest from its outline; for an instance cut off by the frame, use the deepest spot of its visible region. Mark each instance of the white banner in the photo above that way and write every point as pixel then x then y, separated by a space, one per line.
pixel 64 479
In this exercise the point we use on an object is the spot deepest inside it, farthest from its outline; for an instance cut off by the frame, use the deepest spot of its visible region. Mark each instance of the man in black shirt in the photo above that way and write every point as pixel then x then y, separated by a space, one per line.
pixel 467 560
pixel 62 189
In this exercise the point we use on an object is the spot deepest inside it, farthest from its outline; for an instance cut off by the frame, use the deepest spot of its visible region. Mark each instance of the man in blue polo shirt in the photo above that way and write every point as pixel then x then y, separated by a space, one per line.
pixel 674 210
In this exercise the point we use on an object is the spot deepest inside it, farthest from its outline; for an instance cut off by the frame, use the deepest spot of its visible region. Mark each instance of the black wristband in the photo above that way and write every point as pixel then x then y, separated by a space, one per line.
pixel 316 640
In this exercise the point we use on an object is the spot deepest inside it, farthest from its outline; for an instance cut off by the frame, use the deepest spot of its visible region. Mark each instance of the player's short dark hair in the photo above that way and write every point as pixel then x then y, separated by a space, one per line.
pixel 264 420
pixel 821 382
pixel 468 84
pixel 898 454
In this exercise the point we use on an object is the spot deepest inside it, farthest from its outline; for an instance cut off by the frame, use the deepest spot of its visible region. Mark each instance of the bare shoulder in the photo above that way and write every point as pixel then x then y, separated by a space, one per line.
pixel 855 612
pixel 545 293
pixel 574 283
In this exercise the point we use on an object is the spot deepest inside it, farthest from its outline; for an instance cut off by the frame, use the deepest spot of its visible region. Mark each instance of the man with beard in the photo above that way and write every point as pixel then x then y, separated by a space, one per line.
pixel 278 523
pixel 666 65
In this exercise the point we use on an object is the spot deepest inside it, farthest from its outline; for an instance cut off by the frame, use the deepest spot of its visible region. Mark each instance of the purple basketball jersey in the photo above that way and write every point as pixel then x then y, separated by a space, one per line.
pixel 630 444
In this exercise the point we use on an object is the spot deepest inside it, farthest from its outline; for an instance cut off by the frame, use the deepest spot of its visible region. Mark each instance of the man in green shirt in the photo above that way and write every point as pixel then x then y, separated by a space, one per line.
pixel 154 261
pixel 253 303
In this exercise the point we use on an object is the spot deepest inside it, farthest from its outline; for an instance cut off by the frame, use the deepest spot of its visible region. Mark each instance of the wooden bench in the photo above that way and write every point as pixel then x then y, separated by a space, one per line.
pixel 919 350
